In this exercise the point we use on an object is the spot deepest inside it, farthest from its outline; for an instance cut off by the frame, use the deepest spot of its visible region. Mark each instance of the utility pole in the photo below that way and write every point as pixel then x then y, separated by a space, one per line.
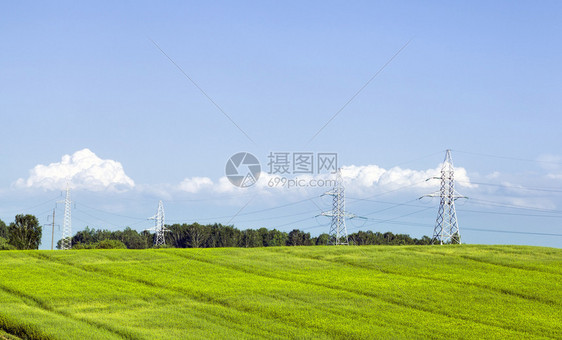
pixel 66 243
pixel 53 231
pixel 446 225
pixel 338 229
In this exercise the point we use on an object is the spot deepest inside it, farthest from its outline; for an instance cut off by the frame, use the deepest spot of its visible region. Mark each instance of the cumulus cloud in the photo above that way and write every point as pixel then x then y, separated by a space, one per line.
pixel 357 179
pixel 195 184
pixel 83 170
pixel 550 162
pixel 368 178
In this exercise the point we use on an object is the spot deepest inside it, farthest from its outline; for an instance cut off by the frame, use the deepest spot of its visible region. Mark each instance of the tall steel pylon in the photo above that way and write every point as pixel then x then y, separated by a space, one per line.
pixel 446 225
pixel 338 229
pixel 159 227
pixel 66 243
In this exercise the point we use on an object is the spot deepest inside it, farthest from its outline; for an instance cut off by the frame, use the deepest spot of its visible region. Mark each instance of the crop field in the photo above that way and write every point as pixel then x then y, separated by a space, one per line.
pixel 440 292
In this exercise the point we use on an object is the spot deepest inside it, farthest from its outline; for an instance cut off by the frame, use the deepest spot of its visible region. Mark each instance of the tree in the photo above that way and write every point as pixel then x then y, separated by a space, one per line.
pixel 148 237
pixel 299 238
pixel 4 244
pixel 111 244
pixel 85 236
pixel 277 238
pixel 176 236
pixel 264 236
pixel 322 239
pixel 25 232
pixel 197 235
pixel 425 240
pixel 59 242
pixel 132 239
pixel 3 230
pixel 250 238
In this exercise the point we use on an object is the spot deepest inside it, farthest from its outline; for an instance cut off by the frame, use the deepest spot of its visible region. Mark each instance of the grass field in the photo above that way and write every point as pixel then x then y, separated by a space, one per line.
pixel 364 292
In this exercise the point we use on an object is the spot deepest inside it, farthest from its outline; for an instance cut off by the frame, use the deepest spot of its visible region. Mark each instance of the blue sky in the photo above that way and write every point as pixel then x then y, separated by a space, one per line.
pixel 480 78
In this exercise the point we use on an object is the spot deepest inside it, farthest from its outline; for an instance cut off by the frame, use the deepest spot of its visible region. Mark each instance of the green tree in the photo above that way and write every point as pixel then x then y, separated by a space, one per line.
pixel 250 238
pixel 264 236
pixel 59 242
pixel 322 239
pixel 111 244
pixel 3 230
pixel 425 240
pixel 148 237
pixel 25 232
pixel 197 235
pixel 132 239
pixel 176 236
pixel 299 238
pixel 4 245
pixel 277 238
pixel 85 236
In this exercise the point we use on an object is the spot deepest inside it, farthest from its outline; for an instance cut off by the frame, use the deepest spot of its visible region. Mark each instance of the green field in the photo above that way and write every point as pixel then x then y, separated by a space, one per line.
pixel 287 292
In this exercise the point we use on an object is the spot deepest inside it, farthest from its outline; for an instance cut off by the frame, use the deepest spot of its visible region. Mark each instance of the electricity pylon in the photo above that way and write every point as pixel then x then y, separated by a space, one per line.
pixel 446 225
pixel 338 229
pixel 159 227
pixel 66 243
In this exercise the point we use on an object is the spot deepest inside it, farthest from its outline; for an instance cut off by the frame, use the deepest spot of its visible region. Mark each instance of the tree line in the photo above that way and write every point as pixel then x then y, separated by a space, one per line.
pixel 25 233
pixel 216 235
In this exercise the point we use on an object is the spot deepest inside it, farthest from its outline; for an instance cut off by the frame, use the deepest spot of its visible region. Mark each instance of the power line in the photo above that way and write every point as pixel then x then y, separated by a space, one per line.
pixel 203 92
pixel 508 157
pixel 392 220
pixel 253 212
pixel 35 206
pixel 359 91
pixel 513 232
pixel 390 191
pixel 510 214
pixel 426 226
pixel 110 213
pixel 511 206
pixel 517 187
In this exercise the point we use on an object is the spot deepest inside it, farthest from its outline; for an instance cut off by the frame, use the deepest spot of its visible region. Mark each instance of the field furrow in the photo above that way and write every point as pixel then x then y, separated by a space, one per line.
pixel 288 292
pixel 403 300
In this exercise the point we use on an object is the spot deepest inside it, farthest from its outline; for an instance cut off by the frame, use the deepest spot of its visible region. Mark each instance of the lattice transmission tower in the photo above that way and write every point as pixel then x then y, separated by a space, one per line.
pixel 66 243
pixel 446 225
pixel 159 227
pixel 338 229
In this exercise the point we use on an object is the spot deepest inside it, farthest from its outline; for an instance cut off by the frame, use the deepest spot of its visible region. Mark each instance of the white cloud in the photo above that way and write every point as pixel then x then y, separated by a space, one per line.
pixel 83 170
pixel 357 179
pixel 553 164
pixel 550 162
pixel 368 178
pixel 493 175
pixel 195 184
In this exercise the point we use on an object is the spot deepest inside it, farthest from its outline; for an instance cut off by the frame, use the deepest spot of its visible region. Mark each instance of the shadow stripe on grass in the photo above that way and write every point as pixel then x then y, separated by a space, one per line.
pixel 19 329
pixel 33 301
pixel 352 291
pixel 472 258
pixel 432 278
pixel 202 298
